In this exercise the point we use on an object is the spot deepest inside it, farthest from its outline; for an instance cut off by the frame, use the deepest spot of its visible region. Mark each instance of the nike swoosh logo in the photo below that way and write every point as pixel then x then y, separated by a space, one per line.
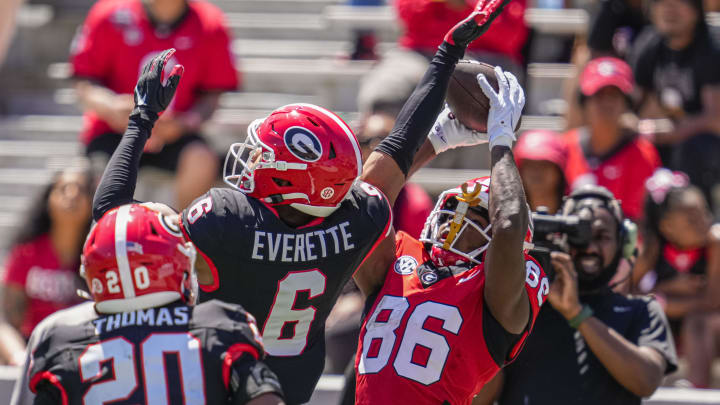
pixel 140 99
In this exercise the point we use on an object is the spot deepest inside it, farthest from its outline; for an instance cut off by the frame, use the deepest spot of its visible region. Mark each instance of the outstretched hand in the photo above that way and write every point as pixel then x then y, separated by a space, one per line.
pixel 506 107
pixel 152 96
pixel 476 23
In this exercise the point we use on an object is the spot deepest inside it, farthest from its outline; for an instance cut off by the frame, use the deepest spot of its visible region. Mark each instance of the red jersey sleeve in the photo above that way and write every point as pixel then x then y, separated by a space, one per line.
pixel 16 267
pixel 89 54
pixel 220 73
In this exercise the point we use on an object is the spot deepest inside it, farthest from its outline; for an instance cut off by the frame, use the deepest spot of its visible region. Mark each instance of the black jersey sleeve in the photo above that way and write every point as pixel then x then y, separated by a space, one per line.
pixel 235 341
pixel 52 369
pixel 211 223
pixel 377 206
pixel 651 329
pixel 48 394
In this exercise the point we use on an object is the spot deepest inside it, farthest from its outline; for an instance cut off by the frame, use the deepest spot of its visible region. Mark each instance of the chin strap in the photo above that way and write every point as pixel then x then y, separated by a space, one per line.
pixel 468 199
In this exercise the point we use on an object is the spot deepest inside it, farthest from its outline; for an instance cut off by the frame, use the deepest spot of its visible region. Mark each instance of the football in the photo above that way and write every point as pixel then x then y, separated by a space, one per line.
pixel 465 97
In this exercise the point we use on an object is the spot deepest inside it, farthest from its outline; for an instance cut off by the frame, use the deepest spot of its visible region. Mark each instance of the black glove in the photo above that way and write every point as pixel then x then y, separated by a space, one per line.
pixel 476 23
pixel 151 96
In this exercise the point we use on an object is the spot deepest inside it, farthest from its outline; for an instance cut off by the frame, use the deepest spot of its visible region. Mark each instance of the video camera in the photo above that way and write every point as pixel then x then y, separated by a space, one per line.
pixel 557 233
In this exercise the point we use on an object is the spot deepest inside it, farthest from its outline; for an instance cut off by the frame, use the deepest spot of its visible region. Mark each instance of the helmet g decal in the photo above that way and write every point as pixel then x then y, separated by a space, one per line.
pixel 405 265
pixel 303 144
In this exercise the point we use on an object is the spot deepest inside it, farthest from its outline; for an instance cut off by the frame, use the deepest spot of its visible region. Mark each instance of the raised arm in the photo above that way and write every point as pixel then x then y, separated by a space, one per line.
pixel 505 272
pixel 394 159
pixel 397 156
pixel 117 185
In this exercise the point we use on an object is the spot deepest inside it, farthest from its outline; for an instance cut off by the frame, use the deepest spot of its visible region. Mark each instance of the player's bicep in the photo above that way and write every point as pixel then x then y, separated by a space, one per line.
pixel 371 274
pixel 383 172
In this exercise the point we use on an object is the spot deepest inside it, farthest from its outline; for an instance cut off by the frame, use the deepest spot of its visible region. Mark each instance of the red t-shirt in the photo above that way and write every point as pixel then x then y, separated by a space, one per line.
pixel 623 173
pixel 118 38
pixel 35 268
pixel 412 207
pixel 425 23
pixel 427 345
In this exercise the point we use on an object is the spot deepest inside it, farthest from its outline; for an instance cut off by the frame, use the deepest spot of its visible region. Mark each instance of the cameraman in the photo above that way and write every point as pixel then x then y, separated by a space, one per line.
pixel 593 345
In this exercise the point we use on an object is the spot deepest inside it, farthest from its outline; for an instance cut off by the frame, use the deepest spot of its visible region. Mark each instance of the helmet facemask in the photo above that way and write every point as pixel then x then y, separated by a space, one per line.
pixel 245 158
pixel 448 221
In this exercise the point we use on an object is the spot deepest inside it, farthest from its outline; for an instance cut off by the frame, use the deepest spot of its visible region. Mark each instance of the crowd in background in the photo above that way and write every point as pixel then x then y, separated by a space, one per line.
pixel 643 116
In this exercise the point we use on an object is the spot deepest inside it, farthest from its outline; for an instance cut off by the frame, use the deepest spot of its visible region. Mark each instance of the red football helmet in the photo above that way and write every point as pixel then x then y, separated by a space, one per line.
pixel 301 154
pixel 451 207
pixel 135 258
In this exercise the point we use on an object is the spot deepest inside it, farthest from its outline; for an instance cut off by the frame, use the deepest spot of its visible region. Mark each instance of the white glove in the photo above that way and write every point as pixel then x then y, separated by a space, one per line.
pixel 506 107
pixel 448 133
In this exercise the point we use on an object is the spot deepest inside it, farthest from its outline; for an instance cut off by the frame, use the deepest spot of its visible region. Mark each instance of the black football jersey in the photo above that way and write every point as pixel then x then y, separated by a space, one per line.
pixel 174 354
pixel 288 278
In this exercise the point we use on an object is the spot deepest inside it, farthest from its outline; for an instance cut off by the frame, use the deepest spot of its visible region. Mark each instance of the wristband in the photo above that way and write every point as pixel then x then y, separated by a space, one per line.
pixel 585 313
pixel 501 140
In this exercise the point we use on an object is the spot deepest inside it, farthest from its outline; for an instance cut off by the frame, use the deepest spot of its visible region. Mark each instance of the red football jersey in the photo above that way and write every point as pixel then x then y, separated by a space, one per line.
pixel 425 23
pixel 426 345
pixel 50 286
pixel 623 173
pixel 118 38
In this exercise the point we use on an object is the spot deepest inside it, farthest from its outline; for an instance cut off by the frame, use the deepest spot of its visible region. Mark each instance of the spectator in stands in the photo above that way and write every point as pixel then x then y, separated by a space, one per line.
pixel 615 27
pixel 681 264
pixel 675 64
pixel 8 19
pixel 605 152
pixel 590 345
pixel 116 40
pixel 424 23
pixel 41 271
pixel 541 157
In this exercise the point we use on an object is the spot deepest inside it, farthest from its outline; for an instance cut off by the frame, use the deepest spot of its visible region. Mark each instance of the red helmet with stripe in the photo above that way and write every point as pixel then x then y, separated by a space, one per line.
pixel 301 155
pixel 135 258
pixel 451 208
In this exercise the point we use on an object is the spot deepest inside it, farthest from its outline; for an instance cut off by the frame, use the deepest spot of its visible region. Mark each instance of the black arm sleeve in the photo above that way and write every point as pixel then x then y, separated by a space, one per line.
pixel 249 379
pixel 117 185
pixel 47 394
pixel 422 108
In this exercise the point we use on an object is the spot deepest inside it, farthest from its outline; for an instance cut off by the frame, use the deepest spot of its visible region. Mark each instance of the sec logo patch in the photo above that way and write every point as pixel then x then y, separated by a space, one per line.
pixel 303 144
pixel 405 265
